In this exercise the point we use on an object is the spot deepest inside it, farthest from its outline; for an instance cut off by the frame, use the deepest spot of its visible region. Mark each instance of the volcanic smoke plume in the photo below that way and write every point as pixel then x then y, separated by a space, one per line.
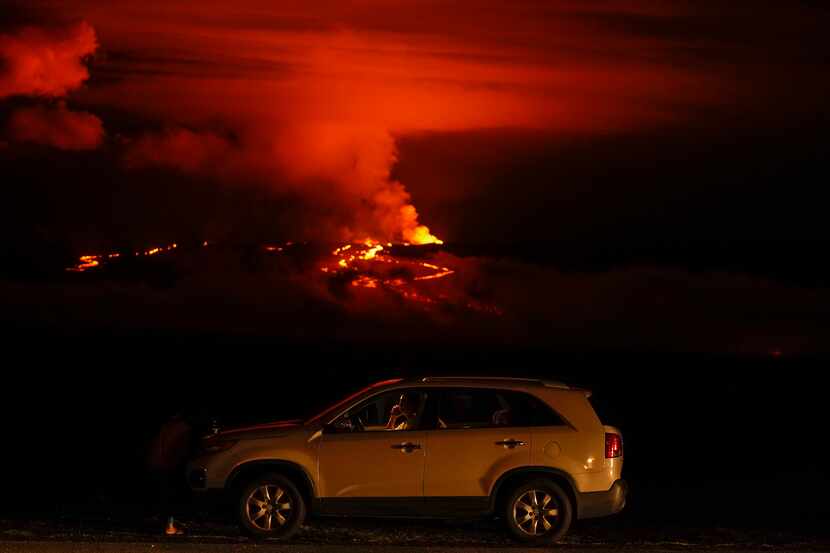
pixel 45 61
pixel 337 165
pixel 360 160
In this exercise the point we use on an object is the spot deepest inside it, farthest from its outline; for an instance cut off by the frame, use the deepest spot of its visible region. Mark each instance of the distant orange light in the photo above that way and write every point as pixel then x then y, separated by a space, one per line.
pixel 85 262
pixel 89 261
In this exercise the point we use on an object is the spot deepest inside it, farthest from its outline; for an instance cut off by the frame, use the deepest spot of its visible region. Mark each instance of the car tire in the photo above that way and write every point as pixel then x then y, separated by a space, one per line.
pixel 538 511
pixel 271 506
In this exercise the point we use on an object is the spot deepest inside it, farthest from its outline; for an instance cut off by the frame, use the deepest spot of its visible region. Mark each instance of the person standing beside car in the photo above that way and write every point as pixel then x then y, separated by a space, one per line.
pixel 166 458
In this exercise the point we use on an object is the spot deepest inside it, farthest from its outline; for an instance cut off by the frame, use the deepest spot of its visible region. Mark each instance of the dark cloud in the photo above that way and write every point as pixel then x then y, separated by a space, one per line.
pixel 179 149
pixel 57 127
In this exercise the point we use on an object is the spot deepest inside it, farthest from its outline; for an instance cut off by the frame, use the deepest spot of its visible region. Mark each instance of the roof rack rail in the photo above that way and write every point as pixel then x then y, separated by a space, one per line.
pixel 505 379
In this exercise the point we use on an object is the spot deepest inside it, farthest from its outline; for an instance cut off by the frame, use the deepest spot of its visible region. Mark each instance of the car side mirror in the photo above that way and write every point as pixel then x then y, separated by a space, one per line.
pixel 340 426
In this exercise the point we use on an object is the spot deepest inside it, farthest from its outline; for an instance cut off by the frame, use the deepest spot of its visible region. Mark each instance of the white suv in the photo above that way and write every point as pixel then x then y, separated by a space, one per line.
pixel 531 452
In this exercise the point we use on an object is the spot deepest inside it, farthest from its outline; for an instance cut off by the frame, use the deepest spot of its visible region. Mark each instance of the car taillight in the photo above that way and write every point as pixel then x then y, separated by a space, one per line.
pixel 613 446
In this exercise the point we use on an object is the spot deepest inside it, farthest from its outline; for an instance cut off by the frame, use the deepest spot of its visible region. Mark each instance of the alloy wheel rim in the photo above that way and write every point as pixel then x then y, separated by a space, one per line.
pixel 268 507
pixel 535 512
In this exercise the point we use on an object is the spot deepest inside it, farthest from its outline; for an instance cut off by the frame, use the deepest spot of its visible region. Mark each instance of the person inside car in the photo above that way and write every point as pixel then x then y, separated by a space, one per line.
pixel 405 413
pixel 502 417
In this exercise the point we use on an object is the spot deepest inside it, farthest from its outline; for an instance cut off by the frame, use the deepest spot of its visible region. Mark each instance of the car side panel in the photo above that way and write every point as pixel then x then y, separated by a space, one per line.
pixel 467 462
pixel 369 465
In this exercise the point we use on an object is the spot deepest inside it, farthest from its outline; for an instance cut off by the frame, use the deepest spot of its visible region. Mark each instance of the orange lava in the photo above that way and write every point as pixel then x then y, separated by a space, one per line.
pixel 367 265
pixel 367 261
pixel 86 262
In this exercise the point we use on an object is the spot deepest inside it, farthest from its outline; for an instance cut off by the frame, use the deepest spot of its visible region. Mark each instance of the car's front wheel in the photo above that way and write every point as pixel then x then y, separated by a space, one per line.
pixel 270 506
pixel 538 511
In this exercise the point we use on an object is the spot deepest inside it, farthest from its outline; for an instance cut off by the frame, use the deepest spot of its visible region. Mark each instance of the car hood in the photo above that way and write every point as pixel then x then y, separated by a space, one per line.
pixel 263 430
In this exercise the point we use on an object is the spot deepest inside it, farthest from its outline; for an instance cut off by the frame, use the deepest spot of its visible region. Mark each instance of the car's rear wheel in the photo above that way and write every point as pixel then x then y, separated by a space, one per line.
pixel 538 511
pixel 270 506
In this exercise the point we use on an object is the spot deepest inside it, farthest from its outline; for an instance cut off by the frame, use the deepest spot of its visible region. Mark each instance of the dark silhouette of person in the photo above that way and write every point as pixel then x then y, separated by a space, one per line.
pixel 167 455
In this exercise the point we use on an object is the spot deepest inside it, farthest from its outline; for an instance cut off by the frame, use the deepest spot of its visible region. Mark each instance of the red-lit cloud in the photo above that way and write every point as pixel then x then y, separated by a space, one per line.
pixel 57 127
pixel 316 95
pixel 45 61
pixel 179 149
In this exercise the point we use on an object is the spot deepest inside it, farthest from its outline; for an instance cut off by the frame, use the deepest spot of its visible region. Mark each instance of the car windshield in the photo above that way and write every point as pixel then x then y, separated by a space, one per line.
pixel 348 399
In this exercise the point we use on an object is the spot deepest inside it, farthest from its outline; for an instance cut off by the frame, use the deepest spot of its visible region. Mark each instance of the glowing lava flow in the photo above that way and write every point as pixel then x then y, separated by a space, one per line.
pixel 86 262
pixel 365 262
pixel 366 251
pixel 368 264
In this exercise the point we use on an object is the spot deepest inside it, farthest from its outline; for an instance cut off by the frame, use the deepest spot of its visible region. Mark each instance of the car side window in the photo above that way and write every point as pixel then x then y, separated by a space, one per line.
pixel 464 408
pixel 527 410
pixel 489 408
pixel 391 411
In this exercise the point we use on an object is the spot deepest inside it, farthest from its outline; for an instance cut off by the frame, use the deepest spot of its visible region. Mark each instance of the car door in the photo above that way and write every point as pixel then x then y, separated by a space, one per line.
pixel 365 466
pixel 473 443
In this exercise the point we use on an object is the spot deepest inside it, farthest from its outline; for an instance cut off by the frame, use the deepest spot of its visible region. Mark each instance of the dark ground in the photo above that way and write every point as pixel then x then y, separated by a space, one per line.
pixel 720 450
pixel 621 532
pixel 56 547
pixel 360 535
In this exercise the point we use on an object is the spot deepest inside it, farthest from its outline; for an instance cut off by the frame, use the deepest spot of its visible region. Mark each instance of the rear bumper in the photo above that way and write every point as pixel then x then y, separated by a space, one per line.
pixel 600 504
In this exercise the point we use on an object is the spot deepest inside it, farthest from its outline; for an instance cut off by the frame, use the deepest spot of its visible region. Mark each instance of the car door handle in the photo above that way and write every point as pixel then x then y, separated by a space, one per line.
pixel 406 447
pixel 511 443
